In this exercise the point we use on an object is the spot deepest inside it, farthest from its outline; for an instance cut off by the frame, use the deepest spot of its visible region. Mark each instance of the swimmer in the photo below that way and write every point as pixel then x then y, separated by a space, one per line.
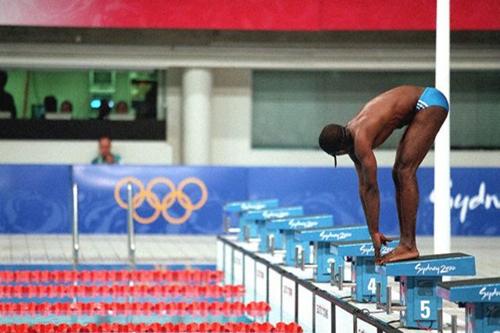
pixel 423 111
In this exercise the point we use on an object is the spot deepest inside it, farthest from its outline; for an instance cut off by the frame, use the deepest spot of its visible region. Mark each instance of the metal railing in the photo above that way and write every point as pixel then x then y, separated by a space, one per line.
pixel 130 226
pixel 76 237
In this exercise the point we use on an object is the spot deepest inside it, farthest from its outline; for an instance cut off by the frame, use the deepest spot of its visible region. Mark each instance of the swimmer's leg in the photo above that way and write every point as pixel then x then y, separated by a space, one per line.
pixel 414 145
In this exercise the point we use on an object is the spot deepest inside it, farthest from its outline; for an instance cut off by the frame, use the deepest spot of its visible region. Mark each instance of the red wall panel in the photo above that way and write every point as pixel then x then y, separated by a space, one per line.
pixel 289 15
pixel 475 14
pixel 378 15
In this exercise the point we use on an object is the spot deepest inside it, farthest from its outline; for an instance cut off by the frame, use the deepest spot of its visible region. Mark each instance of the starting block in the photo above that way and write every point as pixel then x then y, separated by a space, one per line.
pixel 321 239
pixel 418 279
pixel 252 220
pixel 274 235
pixel 481 298
pixel 234 210
pixel 364 276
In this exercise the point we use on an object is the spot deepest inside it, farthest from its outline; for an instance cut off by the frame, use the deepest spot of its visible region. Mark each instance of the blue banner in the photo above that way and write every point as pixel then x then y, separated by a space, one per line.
pixel 35 199
pixel 177 200
pixel 474 201
pixel 190 200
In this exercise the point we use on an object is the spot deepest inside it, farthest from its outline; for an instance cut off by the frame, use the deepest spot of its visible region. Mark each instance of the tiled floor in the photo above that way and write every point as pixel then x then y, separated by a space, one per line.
pixel 57 249
pixel 165 249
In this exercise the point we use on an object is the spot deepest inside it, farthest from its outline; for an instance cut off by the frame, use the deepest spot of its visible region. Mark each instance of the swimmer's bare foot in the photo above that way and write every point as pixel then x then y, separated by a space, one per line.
pixel 401 252
pixel 379 239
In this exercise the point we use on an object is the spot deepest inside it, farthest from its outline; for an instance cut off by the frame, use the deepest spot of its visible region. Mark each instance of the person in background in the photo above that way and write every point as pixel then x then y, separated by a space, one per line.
pixel 104 110
pixel 6 99
pixel 66 107
pixel 121 107
pixel 105 155
pixel 50 104
pixel 148 108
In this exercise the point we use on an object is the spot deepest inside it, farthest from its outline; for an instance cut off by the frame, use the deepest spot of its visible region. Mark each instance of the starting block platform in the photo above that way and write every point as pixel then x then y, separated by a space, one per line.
pixel 318 310
pixel 321 238
pixel 233 211
pixel 253 220
pixel 294 295
pixel 364 276
pixel 418 279
pixel 276 232
pixel 324 277
pixel 481 299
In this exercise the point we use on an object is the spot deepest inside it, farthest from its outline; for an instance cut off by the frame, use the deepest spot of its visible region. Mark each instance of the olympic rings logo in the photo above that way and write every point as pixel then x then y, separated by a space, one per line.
pixel 161 206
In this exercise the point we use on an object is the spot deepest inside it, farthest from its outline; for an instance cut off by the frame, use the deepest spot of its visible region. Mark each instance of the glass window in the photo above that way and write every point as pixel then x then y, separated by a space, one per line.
pixel 475 104
pixel 82 94
pixel 89 102
pixel 291 107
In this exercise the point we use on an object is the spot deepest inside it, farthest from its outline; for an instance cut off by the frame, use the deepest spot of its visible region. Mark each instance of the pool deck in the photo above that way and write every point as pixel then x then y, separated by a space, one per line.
pixel 151 249
pixel 175 249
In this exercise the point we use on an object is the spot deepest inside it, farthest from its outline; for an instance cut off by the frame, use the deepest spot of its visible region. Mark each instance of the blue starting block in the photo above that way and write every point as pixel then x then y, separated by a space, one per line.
pixel 234 210
pixel 252 220
pixel 481 298
pixel 418 279
pixel 274 235
pixel 364 276
pixel 321 239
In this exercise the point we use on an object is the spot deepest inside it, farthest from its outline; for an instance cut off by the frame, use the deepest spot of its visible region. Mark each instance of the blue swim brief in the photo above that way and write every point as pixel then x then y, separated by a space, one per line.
pixel 432 97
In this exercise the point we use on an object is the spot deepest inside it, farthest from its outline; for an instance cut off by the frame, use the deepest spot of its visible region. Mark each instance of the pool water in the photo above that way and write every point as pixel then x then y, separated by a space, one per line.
pixel 97 294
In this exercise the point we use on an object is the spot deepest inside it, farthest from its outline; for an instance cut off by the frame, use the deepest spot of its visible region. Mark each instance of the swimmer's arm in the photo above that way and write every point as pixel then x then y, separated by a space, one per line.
pixel 368 187
pixel 360 180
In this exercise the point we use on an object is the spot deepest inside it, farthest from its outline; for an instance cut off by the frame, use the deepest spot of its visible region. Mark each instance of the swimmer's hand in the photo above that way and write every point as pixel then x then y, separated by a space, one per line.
pixel 379 239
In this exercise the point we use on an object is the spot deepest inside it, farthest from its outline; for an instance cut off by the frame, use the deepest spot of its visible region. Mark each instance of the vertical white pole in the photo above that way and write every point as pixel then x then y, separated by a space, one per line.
pixel 76 237
pixel 196 104
pixel 442 224
pixel 130 226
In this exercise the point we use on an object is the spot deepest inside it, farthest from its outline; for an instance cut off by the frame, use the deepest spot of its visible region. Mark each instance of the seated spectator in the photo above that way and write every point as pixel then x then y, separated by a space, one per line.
pixel 148 107
pixel 50 104
pixel 104 110
pixel 105 156
pixel 66 107
pixel 6 99
pixel 121 107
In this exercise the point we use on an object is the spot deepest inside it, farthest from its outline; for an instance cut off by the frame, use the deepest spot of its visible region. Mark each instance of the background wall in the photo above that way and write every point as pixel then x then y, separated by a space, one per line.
pixel 81 152
pixel 232 56
pixel 231 136
pixel 232 127
pixel 231 142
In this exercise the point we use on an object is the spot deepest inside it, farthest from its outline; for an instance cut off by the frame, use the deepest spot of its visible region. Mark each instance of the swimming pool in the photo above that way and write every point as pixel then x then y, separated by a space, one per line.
pixel 116 298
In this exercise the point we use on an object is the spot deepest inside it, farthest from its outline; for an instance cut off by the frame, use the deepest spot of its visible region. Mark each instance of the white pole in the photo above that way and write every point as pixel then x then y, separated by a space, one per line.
pixel 130 226
pixel 76 237
pixel 442 225
pixel 197 93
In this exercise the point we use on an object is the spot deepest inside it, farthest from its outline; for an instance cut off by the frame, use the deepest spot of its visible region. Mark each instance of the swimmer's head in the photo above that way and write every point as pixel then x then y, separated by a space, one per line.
pixel 335 140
